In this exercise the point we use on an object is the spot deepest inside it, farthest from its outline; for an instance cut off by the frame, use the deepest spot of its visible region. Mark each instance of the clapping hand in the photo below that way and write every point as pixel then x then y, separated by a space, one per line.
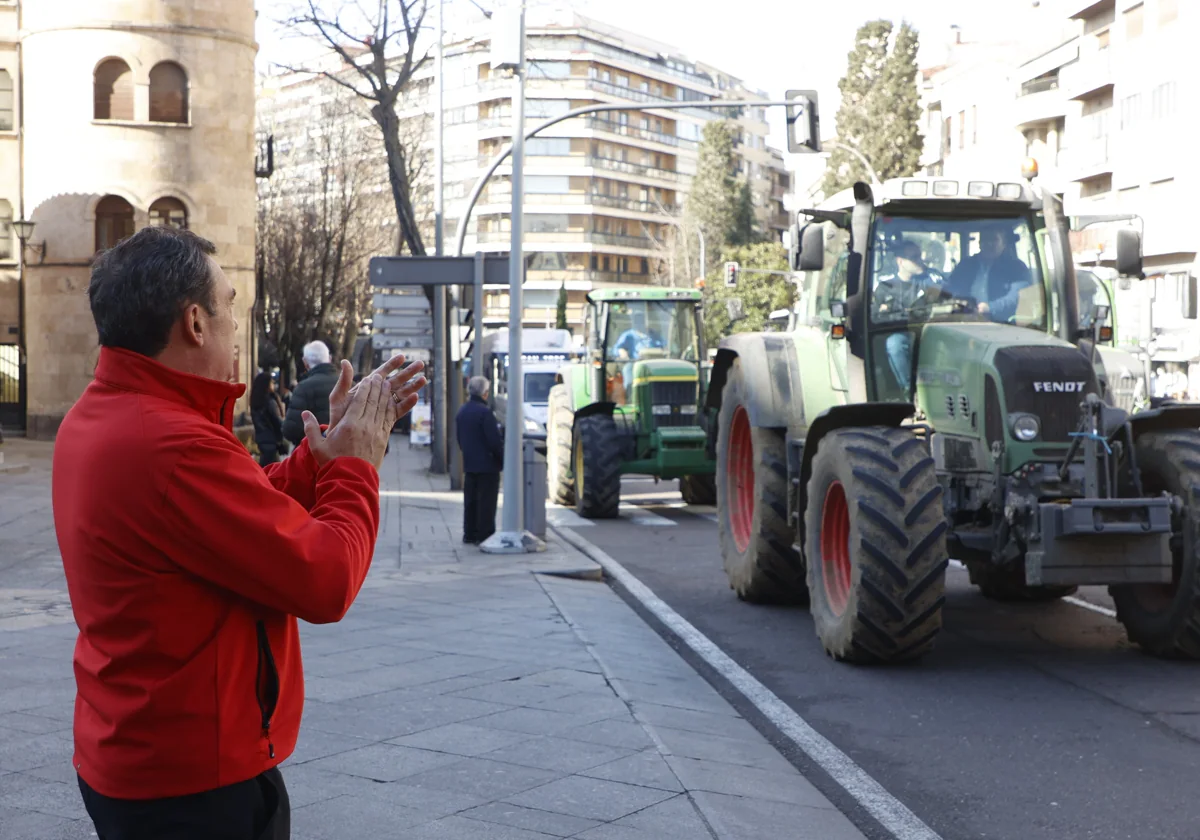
pixel 363 428
pixel 403 387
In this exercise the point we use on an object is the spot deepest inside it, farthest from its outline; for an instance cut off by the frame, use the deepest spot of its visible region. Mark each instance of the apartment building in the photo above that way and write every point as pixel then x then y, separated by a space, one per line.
pixel 603 194
pixel 1098 100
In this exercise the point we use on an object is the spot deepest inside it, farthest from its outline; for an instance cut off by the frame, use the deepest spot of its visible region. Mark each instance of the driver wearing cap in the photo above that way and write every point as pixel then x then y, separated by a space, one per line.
pixel 894 297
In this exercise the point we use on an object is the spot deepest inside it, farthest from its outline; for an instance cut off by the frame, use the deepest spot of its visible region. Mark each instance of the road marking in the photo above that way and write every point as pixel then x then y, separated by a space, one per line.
pixel 891 813
pixel 641 516
pixel 1070 599
pixel 565 517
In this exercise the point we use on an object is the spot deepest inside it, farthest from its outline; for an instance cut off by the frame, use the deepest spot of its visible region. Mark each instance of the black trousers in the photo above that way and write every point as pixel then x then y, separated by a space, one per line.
pixel 479 505
pixel 267 454
pixel 257 809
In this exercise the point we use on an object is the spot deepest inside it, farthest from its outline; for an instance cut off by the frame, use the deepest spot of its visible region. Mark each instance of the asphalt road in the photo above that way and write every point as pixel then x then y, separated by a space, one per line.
pixel 1026 722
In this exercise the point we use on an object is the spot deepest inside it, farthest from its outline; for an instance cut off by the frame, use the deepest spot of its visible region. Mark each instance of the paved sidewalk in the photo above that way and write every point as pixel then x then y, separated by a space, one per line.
pixel 464 696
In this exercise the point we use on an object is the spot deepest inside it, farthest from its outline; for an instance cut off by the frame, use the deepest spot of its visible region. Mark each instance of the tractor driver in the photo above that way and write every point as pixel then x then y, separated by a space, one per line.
pixel 894 296
pixel 629 347
pixel 994 277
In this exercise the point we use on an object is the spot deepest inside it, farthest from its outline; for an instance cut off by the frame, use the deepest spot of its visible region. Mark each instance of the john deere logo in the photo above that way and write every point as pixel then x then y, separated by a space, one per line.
pixel 1060 387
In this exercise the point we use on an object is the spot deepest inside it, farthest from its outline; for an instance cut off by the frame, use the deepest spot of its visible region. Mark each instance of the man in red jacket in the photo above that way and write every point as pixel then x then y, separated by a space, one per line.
pixel 188 564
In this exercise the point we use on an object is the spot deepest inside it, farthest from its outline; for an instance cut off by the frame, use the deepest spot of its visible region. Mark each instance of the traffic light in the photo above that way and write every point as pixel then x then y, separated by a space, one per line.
pixel 731 274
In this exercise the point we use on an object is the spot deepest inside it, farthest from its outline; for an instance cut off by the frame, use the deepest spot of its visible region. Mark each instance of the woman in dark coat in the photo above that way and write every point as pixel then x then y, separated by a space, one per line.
pixel 267 413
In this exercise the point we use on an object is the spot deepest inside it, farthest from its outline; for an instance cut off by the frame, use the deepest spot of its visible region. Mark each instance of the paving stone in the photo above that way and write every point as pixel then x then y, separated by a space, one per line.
pixel 646 768
pixel 307 784
pixel 460 828
pixel 384 762
pixel 398 714
pixel 751 751
pixel 736 780
pixel 32 724
pixel 602 703
pixel 711 723
pixel 560 754
pixel 518 692
pixel 535 721
pixel 737 817
pixel 615 732
pixel 316 743
pixel 462 739
pixel 671 819
pixel 530 819
pixel 20 791
pixel 355 816
pixel 23 824
pixel 695 695
pixel 595 799
pixel 483 778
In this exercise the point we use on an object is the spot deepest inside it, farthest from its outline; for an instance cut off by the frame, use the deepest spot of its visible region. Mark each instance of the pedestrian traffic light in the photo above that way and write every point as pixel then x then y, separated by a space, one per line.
pixel 731 274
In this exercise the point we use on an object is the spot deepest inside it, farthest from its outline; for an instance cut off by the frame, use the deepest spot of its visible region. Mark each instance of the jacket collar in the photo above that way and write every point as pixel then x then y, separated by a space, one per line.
pixel 474 398
pixel 128 371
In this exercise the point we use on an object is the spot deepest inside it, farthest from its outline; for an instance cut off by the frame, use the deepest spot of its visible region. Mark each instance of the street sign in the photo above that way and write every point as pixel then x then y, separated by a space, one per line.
pixel 418 322
pixel 391 272
pixel 401 342
pixel 405 303
pixel 412 354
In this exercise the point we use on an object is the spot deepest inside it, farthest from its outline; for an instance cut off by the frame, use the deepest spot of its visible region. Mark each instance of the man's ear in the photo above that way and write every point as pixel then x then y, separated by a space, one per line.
pixel 192 325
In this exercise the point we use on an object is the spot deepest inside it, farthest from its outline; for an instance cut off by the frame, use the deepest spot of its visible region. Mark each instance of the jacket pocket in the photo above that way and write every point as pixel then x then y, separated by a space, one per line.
pixel 266 683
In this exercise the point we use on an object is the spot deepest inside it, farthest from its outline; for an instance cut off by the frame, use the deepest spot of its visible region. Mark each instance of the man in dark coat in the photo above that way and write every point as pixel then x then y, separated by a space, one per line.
pixel 312 394
pixel 483 455
pixel 993 278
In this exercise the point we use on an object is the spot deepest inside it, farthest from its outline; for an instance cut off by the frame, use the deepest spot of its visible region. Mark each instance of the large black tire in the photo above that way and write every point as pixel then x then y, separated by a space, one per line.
pixel 698 489
pixel 560 419
pixel 875 541
pixel 752 514
pixel 1165 618
pixel 597 452
pixel 1008 584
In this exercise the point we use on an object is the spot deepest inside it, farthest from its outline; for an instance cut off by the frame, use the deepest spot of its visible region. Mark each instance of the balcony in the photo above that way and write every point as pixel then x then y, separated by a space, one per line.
pixel 619 240
pixel 626 130
pixel 631 168
pixel 1086 159
pixel 1043 102
pixel 581 198
pixel 1089 75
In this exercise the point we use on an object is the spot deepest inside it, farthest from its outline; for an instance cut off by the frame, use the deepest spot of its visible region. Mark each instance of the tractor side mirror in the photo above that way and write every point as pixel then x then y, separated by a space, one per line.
pixel 1129 252
pixel 811 256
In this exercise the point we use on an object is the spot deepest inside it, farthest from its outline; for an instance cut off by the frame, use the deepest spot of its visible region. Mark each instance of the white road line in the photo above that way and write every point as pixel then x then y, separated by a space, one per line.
pixel 891 813
pixel 565 517
pixel 640 516
pixel 1070 599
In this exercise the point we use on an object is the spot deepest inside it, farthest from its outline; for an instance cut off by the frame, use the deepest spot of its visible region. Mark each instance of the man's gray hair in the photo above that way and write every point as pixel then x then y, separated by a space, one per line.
pixel 478 386
pixel 316 353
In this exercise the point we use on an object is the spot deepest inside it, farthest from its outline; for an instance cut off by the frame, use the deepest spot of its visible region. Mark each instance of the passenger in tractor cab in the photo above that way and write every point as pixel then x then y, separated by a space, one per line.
pixel 994 277
pixel 894 297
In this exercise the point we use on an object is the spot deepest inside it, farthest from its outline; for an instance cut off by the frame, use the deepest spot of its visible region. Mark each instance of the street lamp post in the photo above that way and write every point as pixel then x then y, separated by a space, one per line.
pixel 23 228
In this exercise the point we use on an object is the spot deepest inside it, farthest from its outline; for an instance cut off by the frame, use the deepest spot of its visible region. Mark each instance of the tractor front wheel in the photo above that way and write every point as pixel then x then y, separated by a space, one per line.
pixel 559 422
pixel 1165 618
pixel 875 545
pixel 597 457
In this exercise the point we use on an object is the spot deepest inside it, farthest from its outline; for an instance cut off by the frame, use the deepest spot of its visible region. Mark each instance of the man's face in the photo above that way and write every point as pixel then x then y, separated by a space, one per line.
pixel 908 263
pixel 220 329
pixel 991 244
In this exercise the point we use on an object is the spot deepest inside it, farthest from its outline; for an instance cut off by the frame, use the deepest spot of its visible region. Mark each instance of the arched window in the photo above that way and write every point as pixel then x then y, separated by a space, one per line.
pixel 113 91
pixel 6 230
pixel 168 93
pixel 114 221
pixel 6 101
pixel 169 212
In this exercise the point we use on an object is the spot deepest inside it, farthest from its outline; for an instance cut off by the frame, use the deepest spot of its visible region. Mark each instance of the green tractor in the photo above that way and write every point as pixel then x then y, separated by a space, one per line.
pixel 632 405
pixel 937 394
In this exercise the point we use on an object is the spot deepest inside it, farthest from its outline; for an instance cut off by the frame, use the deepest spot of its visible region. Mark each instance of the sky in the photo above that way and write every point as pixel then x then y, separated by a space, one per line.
pixel 773 45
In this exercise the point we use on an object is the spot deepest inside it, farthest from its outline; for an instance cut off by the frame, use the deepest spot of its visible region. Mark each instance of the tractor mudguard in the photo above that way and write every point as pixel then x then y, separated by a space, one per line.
pixel 1166 418
pixel 771 374
pixel 842 416
pixel 594 408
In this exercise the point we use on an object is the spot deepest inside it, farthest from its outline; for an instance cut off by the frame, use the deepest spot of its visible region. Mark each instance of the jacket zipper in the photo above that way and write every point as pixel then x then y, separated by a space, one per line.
pixel 266 688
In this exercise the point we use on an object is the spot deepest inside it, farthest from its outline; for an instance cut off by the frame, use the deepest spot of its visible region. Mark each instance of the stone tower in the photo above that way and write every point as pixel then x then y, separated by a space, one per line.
pixel 135 112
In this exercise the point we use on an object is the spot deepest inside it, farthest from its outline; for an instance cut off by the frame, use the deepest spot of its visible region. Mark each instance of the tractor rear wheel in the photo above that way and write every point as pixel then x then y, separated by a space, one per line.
pixel 1165 618
pixel 597 463
pixel 559 422
pixel 698 489
pixel 875 542
pixel 752 514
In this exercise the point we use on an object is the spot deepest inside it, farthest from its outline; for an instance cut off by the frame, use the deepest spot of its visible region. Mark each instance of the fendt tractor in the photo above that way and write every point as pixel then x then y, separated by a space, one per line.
pixel 938 393
pixel 632 406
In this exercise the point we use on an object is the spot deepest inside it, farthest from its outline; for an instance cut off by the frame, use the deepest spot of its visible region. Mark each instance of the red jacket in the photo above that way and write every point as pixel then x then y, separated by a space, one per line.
pixel 187 566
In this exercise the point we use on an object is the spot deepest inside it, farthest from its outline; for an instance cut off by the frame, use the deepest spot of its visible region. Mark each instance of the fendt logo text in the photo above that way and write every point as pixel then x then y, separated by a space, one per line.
pixel 1060 387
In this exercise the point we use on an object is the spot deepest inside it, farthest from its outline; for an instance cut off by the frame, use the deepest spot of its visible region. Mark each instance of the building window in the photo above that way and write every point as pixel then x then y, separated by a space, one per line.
pixel 1168 11
pixel 6 230
pixel 169 212
pixel 114 221
pixel 113 89
pixel 1162 101
pixel 6 101
pixel 962 129
pixel 1133 22
pixel 974 126
pixel 946 134
pixel 1131 111
pixel 168 93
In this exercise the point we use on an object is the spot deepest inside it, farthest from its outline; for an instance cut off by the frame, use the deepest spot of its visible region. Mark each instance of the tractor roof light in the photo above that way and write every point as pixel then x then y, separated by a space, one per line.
pixel 915 189
pixel 1029 168
pixel 981 189
pixel 1009 191
pixel 945 188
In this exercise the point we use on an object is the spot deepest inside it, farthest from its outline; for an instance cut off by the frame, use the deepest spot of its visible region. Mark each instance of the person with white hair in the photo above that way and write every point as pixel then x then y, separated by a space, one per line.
pixel 312 393
pixel 483 454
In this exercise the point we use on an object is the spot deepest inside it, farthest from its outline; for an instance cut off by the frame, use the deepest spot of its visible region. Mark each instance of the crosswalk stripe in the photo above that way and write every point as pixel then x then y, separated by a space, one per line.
pixel 564 517
pixel 641 516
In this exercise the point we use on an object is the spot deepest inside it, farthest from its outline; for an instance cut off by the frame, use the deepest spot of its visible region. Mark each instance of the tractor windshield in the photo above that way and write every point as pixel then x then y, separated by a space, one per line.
pixel 651 329
pixel 956 269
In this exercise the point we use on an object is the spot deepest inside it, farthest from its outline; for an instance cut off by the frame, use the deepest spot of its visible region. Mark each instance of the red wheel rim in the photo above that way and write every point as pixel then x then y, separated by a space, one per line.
pixel 740 481
pixel 835 548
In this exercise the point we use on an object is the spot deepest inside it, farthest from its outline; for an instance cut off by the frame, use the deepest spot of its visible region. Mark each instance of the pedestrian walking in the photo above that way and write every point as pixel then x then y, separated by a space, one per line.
pixel 187 564
pixel 266 410
pixel 482 456
pixel 312 392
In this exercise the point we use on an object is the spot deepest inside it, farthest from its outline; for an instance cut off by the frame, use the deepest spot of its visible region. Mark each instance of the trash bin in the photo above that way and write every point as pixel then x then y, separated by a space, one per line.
pixel 535 486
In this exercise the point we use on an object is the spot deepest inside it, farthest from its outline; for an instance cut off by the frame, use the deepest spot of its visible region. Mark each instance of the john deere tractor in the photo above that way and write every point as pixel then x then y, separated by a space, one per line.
pixel 632 405
pixel 938 394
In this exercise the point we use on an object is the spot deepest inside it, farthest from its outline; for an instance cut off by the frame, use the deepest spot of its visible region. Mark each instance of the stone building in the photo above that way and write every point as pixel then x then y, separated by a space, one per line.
pixel 114 115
